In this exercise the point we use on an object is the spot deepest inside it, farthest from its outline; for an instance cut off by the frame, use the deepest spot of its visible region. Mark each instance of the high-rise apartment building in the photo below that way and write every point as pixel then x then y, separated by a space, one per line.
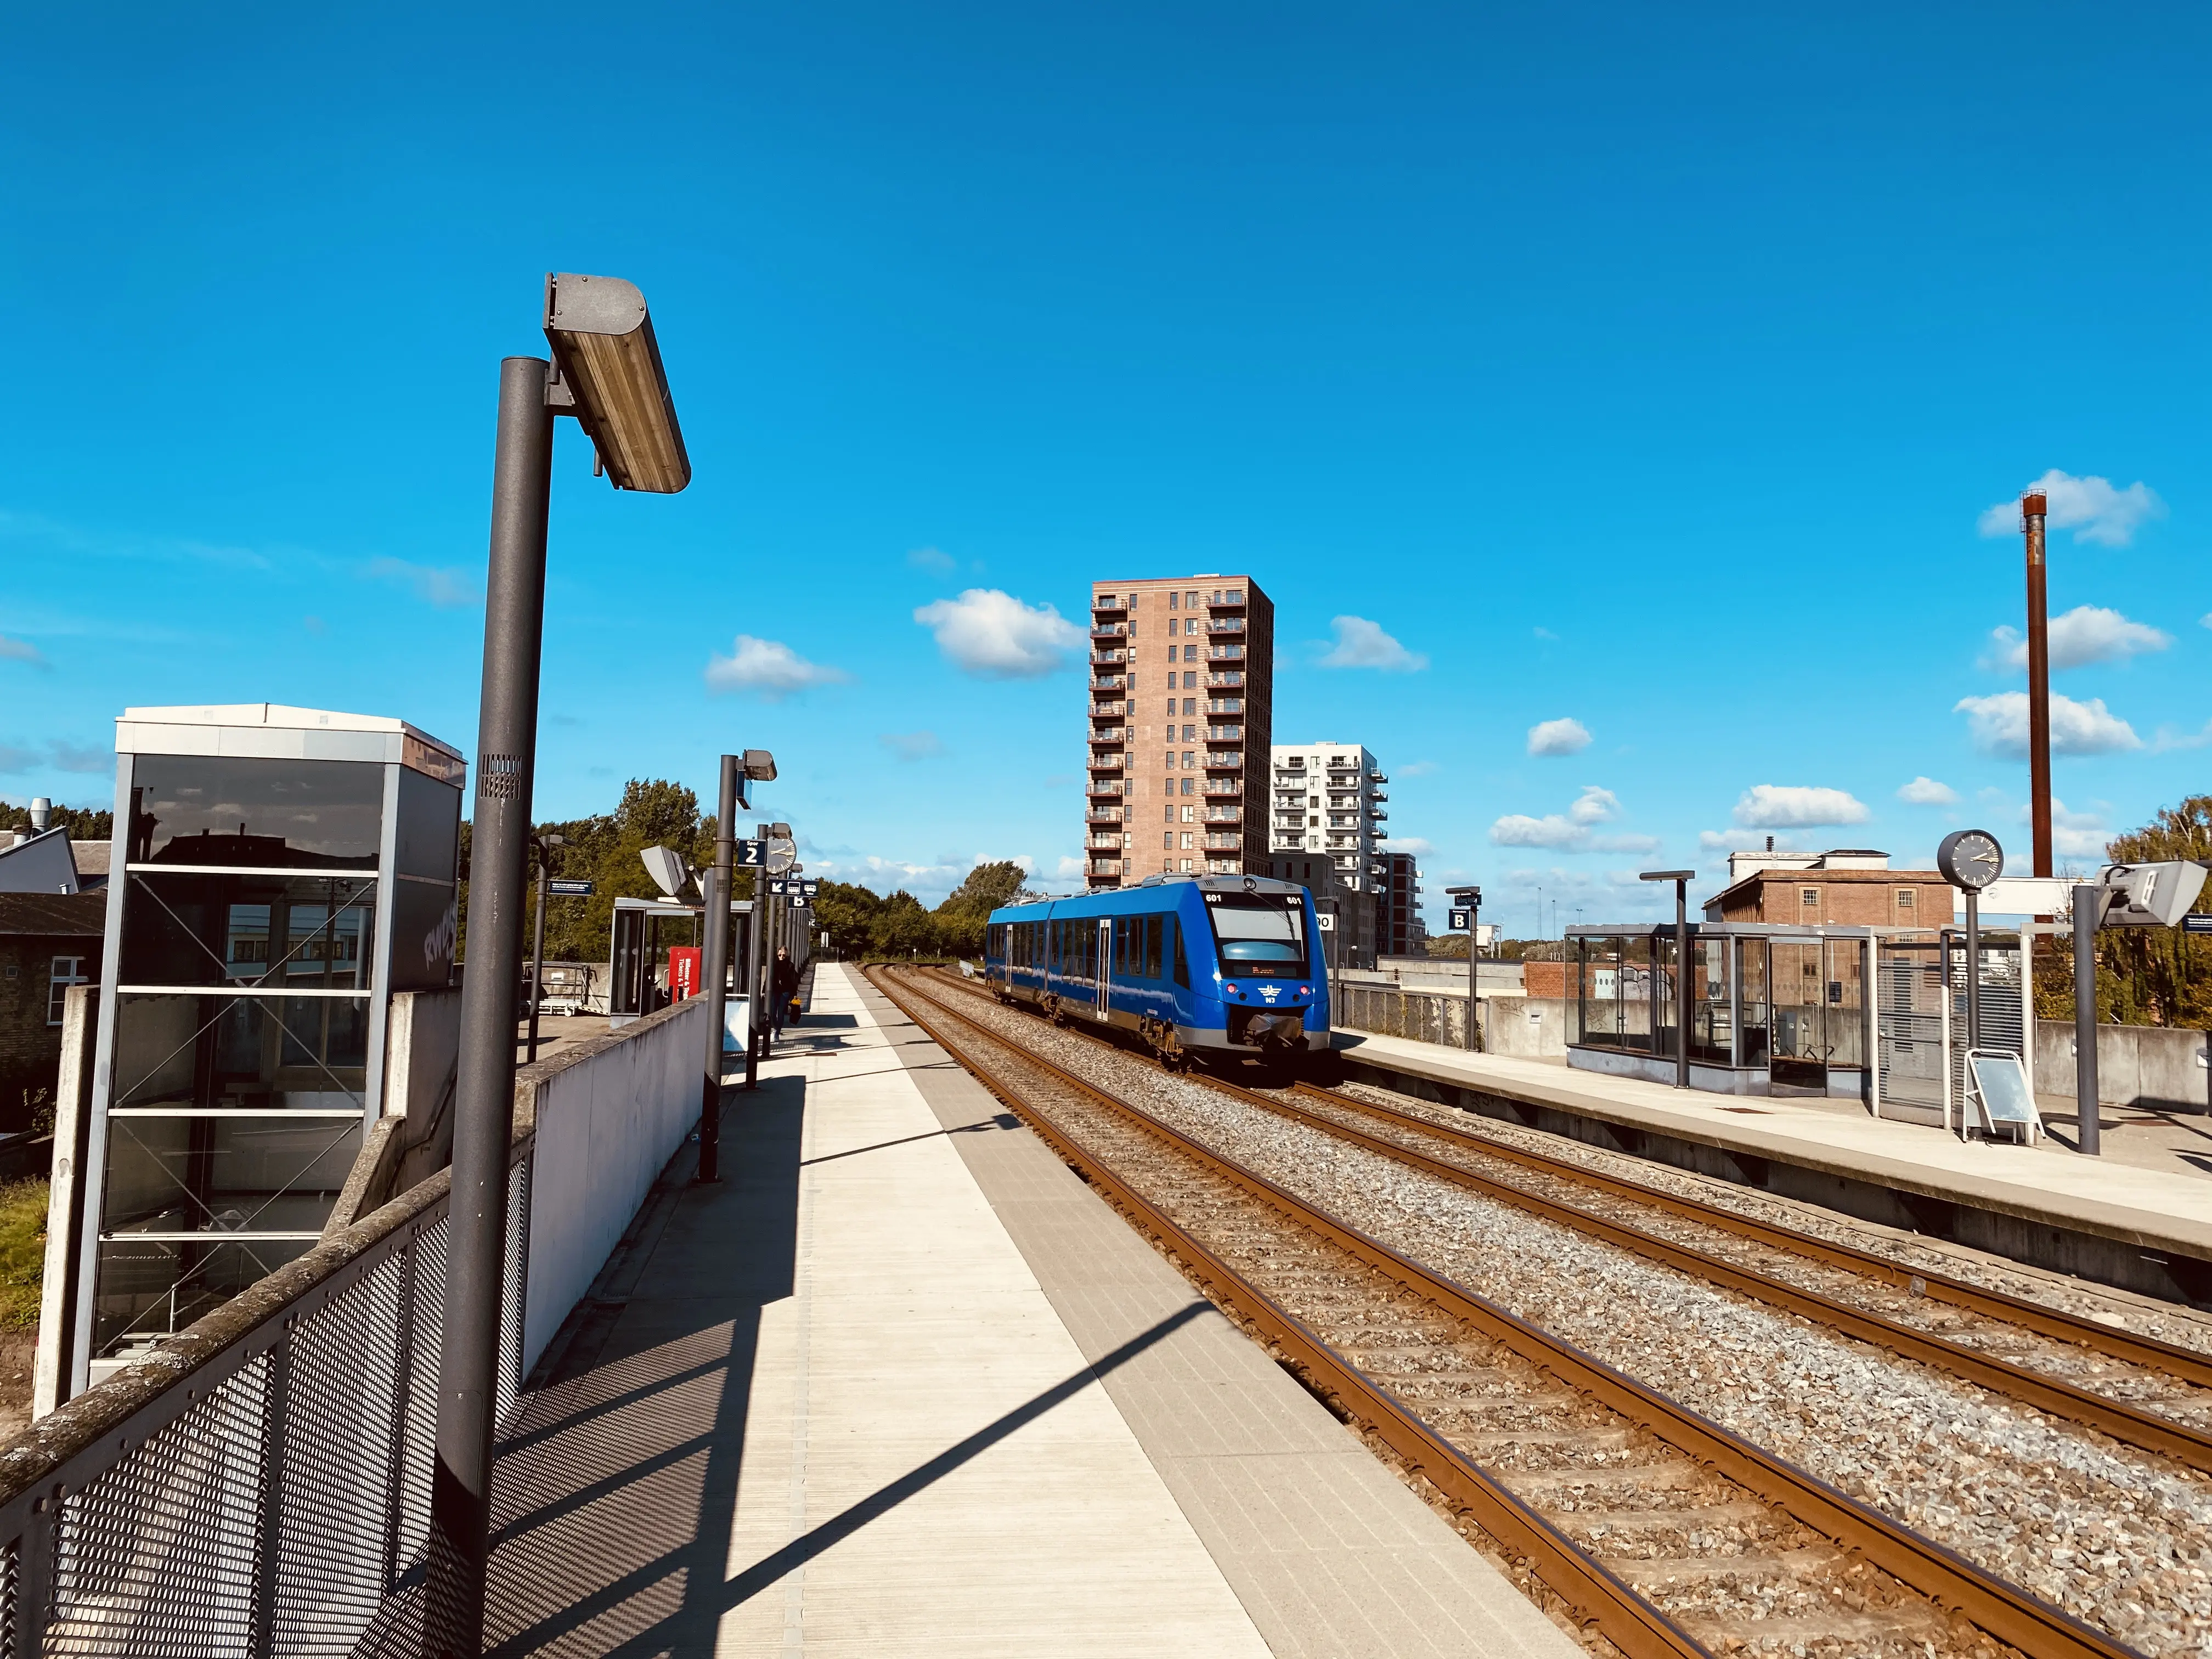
pixel 1399 929
pixel 1329 798
pixel 1182 694
pixel 1327 808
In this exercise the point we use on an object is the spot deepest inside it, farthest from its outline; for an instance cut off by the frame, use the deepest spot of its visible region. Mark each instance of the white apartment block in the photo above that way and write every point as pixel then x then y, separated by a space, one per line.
pixel 1327 798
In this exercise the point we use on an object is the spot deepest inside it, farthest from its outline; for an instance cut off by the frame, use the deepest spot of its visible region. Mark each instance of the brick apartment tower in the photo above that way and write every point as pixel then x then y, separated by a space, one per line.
pixel 1181 705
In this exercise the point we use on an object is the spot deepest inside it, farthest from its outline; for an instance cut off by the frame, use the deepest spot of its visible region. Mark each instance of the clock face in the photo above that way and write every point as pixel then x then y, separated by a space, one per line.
pixel 1970 859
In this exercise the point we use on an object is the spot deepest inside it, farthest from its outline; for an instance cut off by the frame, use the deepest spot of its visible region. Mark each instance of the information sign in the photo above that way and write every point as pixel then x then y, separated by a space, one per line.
pixel 1456 921
pixel 752 854
pixel 2195 923
pixel 559 888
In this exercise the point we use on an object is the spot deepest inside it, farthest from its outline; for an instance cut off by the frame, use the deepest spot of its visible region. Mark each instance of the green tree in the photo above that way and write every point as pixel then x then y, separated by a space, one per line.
pixel 960 921
pixel 2145 975
pixel 82 822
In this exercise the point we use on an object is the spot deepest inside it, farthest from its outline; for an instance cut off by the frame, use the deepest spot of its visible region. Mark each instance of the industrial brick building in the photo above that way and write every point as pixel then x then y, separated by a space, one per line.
pixel 1181 676
pixel 1850 887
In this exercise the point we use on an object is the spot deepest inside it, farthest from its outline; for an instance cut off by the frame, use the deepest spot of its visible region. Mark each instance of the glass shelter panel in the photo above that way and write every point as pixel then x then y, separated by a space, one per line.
pixel 1844 993
pixel 268 932
pixel 256 814
pixel 1754 1015
pixel 204 1051
pixel 1799 995
pixel 1712 1013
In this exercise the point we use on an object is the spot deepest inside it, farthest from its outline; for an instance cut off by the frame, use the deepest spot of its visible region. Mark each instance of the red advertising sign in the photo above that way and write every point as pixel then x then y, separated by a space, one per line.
pixel 682 972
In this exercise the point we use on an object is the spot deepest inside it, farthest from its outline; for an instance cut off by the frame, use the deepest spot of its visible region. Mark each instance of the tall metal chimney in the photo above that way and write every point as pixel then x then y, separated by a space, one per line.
pixel 42 814
pixel 2033 507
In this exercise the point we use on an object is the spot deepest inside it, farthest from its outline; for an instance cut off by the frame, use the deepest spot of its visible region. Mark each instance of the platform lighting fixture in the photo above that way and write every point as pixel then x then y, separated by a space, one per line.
pixel 1681 879
pixel 607 373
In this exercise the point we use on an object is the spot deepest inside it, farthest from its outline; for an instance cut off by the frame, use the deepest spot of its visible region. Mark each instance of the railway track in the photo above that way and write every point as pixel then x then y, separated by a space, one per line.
pixel 1654 1527
pixel 2155 1396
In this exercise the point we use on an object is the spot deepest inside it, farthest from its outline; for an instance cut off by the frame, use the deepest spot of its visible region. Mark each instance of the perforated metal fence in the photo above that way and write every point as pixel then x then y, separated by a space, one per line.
pixel 262 1487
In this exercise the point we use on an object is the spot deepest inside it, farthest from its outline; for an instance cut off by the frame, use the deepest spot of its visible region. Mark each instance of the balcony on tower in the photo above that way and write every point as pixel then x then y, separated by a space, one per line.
pixel 1224 624
pixel 1225 734
pixel 1110 734
pixel 1224 760
pixel 1225 681
pixel 1108 682
pixel 1224 786
pixel 1225 598
pixel 1107 762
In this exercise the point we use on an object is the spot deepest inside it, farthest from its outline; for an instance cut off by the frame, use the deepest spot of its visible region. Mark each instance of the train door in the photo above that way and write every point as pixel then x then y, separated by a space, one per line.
pixel 1105 962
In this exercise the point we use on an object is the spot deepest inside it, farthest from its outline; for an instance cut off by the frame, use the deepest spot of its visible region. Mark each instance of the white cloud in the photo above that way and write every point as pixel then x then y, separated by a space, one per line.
pixel 2074 835
pixel 2091 507
pixel 2087 634
pixel 1777 805
pixel 1926 791
pixel 1363 644
pixel 448 587
pixel 768 669
pixel 1595 806
pixel 1069 869
pixel 22 650
pixel 1417 769
pixel 1999 725
pixel 912 745
pixel 2169 738
pixel 995 636
pixel 1558 737
pixel 1413 844
pixel 1553 829
pixel 1570 832
pixel 931 558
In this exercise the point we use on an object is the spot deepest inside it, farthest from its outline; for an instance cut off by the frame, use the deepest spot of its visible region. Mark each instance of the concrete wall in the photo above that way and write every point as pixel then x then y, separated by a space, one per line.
pixel 610 1113
pixel 1532 1028
pixel 421 1052
pixel 2136 1065
pixel 1527 1028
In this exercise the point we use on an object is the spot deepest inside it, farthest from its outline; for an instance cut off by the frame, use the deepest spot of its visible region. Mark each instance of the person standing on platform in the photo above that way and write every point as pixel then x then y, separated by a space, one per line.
pixel 783 986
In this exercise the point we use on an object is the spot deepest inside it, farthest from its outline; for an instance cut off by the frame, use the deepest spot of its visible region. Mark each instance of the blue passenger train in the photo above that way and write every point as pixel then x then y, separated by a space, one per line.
pixel 1189 965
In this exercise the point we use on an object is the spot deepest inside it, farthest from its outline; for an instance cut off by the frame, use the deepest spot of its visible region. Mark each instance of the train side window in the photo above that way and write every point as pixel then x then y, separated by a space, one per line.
pixel 1181 961
pixel 1152 947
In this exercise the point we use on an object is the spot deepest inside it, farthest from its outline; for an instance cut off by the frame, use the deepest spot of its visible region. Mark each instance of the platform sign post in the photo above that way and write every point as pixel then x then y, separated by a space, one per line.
pixel 1466 905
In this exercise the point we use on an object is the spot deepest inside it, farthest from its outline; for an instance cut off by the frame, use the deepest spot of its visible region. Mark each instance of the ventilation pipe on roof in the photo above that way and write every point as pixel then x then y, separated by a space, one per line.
pixel 42 815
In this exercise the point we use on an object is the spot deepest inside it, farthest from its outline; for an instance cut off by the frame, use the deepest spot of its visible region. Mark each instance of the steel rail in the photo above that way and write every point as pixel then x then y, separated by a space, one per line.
pixel 2005 1611
pixel 2186 1363
pixel 2121 1421
pixel 2130 1425
pixel 1640 1630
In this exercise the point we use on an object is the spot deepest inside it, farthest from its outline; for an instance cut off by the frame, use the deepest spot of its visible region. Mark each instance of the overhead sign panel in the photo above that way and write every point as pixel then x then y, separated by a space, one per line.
pixel 559 888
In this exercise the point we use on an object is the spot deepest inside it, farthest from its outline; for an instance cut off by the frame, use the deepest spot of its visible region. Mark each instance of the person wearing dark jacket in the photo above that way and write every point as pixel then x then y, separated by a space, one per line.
pixel 783 985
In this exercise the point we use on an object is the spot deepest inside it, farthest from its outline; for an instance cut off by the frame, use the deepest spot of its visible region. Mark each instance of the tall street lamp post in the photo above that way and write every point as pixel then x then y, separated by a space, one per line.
pixel 606 372
pixel 544 845
pixel 1682 1004
pixel 753 765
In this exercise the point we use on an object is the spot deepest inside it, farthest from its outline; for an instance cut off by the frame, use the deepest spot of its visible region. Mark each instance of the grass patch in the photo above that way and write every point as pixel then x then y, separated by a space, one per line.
pixel 22 1252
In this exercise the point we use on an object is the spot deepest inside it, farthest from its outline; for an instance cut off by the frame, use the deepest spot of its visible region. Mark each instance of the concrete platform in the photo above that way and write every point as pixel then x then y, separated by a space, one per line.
pixel 2143 1230
pixel 902 1384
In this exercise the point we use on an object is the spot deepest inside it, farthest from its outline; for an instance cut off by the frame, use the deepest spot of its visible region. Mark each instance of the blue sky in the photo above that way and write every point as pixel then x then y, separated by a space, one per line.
pixel 1649 369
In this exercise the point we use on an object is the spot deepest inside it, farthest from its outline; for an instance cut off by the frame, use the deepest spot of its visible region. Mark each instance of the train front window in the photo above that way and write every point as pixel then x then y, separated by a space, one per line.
pixel 1259 936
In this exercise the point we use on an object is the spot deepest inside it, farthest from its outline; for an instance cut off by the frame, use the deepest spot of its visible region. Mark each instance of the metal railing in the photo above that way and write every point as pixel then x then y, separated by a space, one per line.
pixel 261 1485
